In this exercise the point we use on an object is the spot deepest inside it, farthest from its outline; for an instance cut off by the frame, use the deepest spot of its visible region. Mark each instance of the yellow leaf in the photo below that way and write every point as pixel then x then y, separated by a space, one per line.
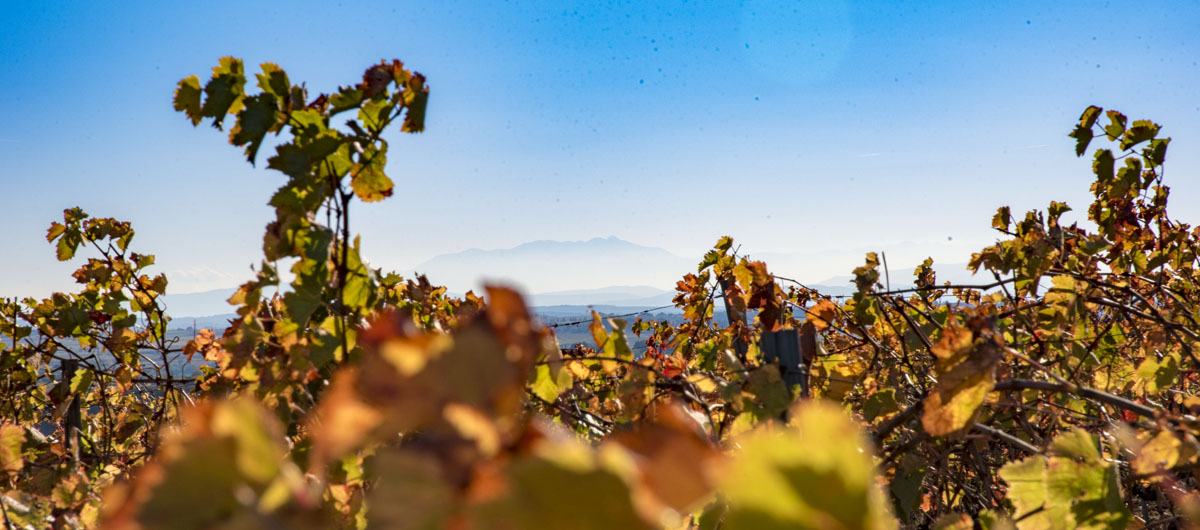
pixel 965 368
pixel 11 438
pixel 817 472
pixel 1158 451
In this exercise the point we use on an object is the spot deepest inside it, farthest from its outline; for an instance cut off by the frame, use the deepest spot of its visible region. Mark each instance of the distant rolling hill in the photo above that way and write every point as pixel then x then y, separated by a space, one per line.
pixel 565 278
pixel 554 266
pixel 636 296
pixel 201 304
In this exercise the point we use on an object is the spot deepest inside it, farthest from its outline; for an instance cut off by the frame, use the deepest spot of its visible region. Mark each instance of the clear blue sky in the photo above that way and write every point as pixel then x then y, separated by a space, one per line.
pixel 793 126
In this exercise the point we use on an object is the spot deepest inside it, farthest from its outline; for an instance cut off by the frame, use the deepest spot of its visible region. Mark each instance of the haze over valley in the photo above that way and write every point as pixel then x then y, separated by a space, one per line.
pixel 612 275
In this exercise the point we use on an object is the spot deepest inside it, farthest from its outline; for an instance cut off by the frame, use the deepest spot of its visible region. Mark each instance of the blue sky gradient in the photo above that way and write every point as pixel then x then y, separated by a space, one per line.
pixel 793 126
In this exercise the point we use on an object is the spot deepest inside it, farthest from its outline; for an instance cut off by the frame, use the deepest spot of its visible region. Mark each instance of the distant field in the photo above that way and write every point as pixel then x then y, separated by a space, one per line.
pixel 570 324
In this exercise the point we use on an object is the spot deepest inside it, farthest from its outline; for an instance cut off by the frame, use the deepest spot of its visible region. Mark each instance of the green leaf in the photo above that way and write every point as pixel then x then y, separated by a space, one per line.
pixel 259 450
pixel 617 345
pixel 374 112
pixel 1063 298
pixel 187 98
pixel 1057 209
pixel 346 98
pixel 308 121
pixel 1116 125
pixel 710 259
pixel 81 381
pixel 558 487
pixel 68 244
pixel 547 385
pixel 1156 153
pixel 1003 218
pixel 1141 131
pixel 291 161
pixel 1103 166
pixel 74 215
pixel 56 229
pixel 359 290
pixel 411 491
pixel 906 484
pixel 990 520
pixel 880 403
pixel 370 183
pixel 223 93
pixel 258 117
pixel 724 243
pixel 1083 137
pixel 273 80
pixel 302 302
pixel 816 472
pixel 1072 487
pixel 416 99
pixel 769 395
pixel 206 472
pixel 1156 375
pixel 1088 119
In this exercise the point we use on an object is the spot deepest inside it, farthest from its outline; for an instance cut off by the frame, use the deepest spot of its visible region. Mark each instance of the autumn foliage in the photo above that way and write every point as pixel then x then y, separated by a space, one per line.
pixel 1059 391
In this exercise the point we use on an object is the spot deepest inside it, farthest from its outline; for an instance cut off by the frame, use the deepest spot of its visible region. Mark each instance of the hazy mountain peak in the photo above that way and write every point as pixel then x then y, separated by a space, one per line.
pixel 547 266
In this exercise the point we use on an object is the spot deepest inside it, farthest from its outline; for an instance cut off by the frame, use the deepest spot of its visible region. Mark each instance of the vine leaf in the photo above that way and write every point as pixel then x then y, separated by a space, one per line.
pixel 1089 116
pixel 221 449
pixel 11 438
pixel 1139 132
pixel 187 98
pixel 1072 487
pixel 1155 452
pixel 548 382
pixel 954 521
pixel 1154 375
pixel 1116 125
pixel 677 457
pixel 1083 137
pixel 256 119
pixel 965 367
pixel 793 477
pixel 223 93
pixel 822 314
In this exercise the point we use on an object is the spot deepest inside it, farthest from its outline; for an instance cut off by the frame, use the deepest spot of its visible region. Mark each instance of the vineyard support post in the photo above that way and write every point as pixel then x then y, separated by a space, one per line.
pixel 782 347
pixel 73 421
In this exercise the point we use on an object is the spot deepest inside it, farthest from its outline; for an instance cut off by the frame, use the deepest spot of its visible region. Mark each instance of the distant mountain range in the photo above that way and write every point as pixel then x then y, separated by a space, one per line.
pixel 565 276
pixel 637 296
pixel 196 305
pixel 553 266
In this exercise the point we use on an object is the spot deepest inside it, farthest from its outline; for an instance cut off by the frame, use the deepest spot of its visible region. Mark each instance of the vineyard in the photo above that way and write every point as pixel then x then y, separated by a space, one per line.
pixel 1058 391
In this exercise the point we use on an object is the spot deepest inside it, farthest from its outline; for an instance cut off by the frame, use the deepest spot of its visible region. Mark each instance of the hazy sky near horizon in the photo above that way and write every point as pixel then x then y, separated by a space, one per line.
pixel 796 127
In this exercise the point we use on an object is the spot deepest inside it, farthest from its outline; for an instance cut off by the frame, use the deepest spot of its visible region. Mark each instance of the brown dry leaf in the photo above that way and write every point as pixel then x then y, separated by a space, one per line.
pixel 204 339
pixel 342 420
pixel 675 458
pixel 822 314
pixel 468 385
pixel 124 338
pixel 954 521
pixel 808 343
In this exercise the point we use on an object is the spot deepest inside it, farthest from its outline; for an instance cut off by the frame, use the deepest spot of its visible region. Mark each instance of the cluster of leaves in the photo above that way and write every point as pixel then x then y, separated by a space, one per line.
pixel 1056 394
